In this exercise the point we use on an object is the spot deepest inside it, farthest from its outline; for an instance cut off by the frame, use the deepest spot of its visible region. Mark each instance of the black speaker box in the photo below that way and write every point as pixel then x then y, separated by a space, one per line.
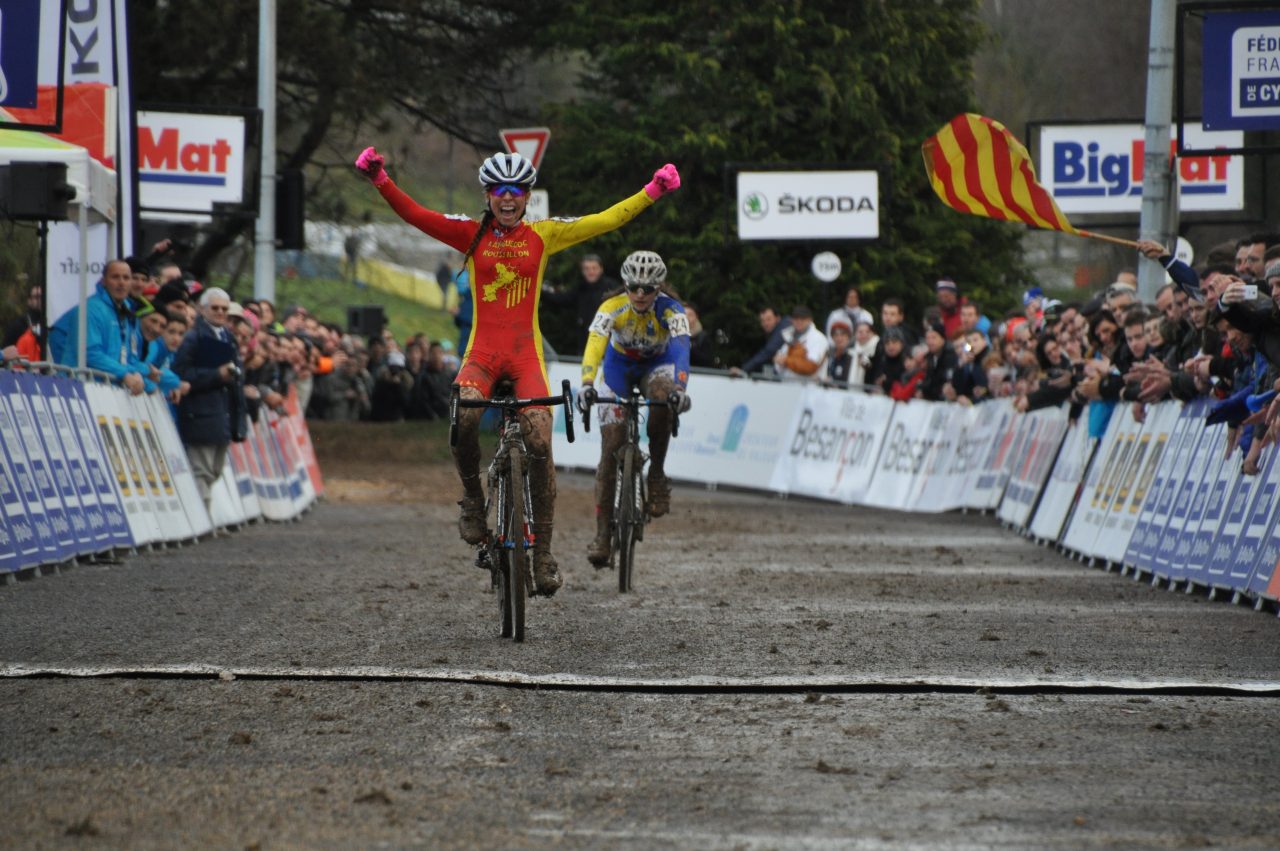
pixel 366 320
pixel 35 191
pixel 291 214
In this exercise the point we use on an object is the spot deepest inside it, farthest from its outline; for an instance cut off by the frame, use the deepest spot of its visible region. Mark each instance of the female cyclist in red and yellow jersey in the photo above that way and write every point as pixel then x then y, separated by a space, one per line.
pixel 505 258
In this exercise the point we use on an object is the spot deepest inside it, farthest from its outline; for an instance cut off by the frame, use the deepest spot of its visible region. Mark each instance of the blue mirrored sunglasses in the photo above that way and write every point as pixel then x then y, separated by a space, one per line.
pixel 513 189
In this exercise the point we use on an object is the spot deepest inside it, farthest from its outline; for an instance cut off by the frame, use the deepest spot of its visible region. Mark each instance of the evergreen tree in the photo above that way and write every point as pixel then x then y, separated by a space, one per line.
pixel 771 82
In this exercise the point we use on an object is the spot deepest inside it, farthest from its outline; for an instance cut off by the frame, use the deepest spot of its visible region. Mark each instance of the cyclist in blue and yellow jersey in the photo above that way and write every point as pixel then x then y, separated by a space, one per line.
pixel 639 337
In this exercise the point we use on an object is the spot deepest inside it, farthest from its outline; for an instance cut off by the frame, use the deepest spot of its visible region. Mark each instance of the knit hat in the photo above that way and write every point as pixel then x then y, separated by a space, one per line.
pixel 946 284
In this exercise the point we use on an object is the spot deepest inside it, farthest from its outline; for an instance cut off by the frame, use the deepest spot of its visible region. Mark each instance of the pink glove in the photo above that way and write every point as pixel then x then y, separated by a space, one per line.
pixel 665 179
pixel 369 163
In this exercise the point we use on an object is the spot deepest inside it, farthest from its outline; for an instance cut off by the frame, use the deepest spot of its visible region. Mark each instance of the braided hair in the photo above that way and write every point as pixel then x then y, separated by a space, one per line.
pixel 485 221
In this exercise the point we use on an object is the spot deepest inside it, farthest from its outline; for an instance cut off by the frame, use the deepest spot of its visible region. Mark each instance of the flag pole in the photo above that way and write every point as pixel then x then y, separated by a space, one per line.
pixel 1117 240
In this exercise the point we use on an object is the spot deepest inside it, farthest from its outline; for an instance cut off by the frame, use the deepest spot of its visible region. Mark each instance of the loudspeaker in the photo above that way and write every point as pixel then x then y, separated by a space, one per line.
pixel 366 320
pixel 291 214
pixel 35 191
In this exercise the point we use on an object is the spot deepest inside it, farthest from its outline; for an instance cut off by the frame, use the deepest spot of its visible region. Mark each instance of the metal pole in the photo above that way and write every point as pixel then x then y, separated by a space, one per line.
pixel 82 321
pixel 264 237
pixel 1159 219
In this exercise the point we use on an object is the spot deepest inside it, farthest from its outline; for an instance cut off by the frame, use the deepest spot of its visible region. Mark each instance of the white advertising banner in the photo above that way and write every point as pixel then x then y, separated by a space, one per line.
pixel 1041 440
pixel 1090 508
pixel 733 434
pixel 808 205
pixel 1097 168
pixel 914 429
pixel 1064 482
pixel 1135 482
pixel 940 483
pixel 832 445
pixel 189 162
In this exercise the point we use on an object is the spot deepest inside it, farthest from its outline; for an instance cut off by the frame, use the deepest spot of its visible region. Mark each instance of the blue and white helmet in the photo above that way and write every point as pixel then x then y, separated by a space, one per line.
pixel 507 168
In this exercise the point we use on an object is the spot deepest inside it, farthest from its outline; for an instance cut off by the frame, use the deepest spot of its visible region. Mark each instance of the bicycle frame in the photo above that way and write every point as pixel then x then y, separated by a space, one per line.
pixel 505 549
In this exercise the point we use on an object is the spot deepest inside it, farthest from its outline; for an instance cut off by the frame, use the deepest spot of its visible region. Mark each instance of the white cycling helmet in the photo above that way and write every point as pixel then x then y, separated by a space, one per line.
pixel 643 267
pixel 507 168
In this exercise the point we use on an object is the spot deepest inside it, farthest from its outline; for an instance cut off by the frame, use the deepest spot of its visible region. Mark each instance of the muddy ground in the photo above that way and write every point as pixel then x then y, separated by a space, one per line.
pixel 787 674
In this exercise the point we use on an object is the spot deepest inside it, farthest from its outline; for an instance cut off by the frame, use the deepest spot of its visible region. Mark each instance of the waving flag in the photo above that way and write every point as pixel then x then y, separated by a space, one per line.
pixel 977 166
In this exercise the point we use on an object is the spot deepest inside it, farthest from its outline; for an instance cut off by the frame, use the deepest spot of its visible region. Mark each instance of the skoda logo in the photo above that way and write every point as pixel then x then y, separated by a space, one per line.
pixel 755 206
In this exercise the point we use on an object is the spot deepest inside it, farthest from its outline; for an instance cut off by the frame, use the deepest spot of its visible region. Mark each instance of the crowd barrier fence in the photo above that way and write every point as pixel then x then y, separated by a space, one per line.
pixel 1159 499
pixel 87 469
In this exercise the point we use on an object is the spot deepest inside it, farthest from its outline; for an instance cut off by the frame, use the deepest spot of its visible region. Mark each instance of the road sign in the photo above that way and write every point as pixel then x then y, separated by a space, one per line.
pixel 539 206
pixel 826 266
pixel 528 142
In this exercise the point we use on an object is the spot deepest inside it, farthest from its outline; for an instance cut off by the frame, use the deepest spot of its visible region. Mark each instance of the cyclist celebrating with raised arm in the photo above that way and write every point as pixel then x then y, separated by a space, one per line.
pixel 642 336
pixel 505 258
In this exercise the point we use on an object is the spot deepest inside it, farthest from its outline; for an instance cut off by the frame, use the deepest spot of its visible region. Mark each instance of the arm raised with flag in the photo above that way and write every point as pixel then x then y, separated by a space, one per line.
pixel 976 166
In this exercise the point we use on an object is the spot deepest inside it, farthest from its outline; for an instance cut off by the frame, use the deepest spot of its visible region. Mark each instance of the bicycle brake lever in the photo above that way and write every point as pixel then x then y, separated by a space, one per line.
pixel 568 409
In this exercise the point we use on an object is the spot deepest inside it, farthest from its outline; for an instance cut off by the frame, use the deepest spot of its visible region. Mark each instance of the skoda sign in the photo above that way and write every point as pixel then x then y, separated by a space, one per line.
pixel 808 205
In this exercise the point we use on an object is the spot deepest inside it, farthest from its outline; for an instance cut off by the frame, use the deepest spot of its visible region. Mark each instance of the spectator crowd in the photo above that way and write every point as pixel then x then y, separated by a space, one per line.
pixel 1212 331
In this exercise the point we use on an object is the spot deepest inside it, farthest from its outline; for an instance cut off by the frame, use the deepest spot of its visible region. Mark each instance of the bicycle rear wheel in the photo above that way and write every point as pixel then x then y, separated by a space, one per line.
pixel 517 557
pixel 628 517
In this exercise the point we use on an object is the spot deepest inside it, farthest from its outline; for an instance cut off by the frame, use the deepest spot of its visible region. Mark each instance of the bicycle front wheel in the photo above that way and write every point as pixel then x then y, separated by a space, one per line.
pixel 517 556
pixel 628 516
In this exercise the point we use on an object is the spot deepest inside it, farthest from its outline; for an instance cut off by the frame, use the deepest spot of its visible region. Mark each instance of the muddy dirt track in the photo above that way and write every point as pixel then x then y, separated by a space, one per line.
pixel 787 674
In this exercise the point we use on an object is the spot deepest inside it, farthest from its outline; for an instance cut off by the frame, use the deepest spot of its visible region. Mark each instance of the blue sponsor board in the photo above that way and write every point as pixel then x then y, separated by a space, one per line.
pixel 1159 499
pixel 1237 509
pixel 1261 583
pixel 20 54
pixel 1206 518
pixel 1242 85
pixel 1174 543
pixel 34 388
pixel 97 463
pixel 25 474
pixel 1250 542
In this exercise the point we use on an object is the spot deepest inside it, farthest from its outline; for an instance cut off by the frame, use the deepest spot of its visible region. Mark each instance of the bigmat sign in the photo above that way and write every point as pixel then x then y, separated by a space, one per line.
pixel 808 205
pixel 1097 168
pixel 187 163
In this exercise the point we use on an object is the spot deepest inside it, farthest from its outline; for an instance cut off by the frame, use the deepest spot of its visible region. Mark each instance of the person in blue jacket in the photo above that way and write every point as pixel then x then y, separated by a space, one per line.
pixel 113 340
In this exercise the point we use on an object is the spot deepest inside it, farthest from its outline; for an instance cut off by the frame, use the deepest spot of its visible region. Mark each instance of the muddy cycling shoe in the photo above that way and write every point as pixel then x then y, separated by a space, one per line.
pixel 598 551
pixel 659 496
pixel 546 574
pixel 472 524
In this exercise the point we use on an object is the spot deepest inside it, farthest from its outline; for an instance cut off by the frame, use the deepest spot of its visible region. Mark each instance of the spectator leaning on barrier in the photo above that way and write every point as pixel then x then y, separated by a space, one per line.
pixel 889 363
pixel 940 363
pixel 968 383
pixel 804 347
pixel 213 413
pixel 152 325
pixel 907 387
pixel 865 343
pixel 112 341
pixel 840 359
pixel 773 325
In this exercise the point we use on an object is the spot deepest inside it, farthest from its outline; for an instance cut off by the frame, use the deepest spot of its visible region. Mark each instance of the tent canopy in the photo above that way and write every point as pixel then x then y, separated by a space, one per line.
pixel 93 182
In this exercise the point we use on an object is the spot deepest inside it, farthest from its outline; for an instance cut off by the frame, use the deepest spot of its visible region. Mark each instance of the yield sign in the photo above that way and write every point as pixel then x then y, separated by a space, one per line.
pixel 528 142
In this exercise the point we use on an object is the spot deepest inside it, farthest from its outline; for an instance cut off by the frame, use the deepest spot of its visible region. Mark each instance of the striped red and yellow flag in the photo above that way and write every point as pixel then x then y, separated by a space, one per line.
pixel 977 166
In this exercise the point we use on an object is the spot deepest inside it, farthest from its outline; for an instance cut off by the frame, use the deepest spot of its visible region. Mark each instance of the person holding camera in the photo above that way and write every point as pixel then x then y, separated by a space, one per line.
pixel 213 412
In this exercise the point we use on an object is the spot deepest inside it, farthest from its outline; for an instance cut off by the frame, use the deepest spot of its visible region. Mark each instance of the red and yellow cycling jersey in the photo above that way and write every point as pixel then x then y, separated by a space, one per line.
pixel 506 283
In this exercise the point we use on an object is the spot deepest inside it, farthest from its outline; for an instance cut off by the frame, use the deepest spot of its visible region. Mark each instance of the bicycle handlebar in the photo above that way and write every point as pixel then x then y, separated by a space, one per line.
pixel 510 403
pixel 636 401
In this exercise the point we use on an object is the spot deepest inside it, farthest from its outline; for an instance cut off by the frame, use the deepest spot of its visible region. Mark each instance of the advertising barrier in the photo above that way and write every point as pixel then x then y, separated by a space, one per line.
pixel 87 468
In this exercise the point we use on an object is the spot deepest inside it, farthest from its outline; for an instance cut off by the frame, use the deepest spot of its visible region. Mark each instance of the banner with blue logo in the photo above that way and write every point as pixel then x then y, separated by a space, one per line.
pixel 1242 70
